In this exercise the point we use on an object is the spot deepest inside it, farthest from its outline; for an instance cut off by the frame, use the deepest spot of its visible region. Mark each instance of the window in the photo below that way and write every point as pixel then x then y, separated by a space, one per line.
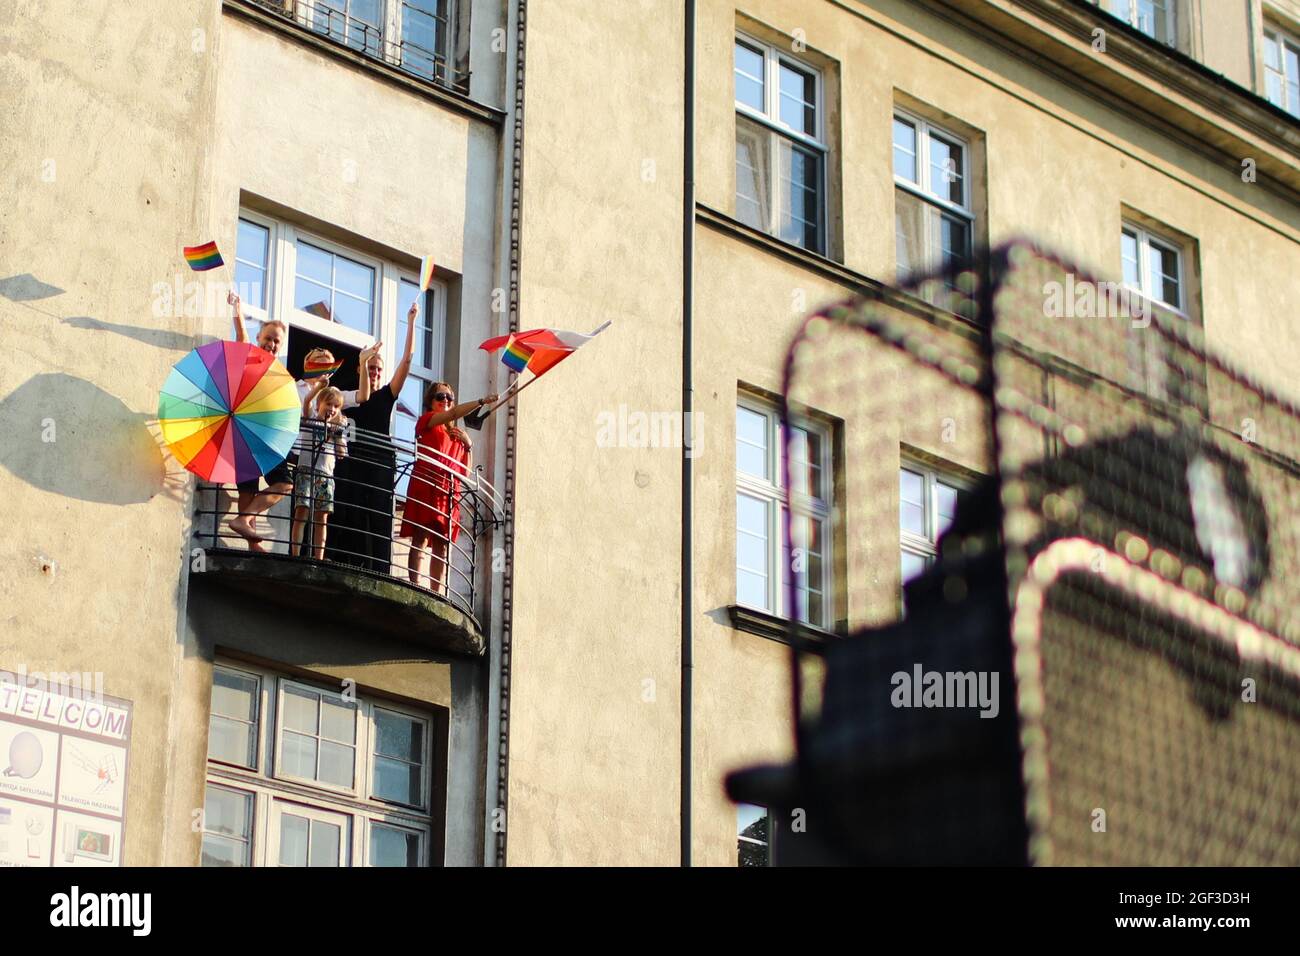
pixel 933 221
pixel 318 286
pixel 328 284
pixel 780 145
pixel 753 843
pixel 1155 18
pixel 927 504
pixel 350 782
pixel 413 35
pixel 232 726
pixel 1282 71
pixel 761 504
pixel 1152 266
pixel 426 363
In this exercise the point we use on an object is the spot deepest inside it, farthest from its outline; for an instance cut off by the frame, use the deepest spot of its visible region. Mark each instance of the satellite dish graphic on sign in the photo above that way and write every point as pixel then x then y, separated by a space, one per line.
pixel 25 756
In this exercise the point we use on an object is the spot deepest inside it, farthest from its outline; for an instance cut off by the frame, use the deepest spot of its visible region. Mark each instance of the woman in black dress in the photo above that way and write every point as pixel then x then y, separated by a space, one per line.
pixel 362 529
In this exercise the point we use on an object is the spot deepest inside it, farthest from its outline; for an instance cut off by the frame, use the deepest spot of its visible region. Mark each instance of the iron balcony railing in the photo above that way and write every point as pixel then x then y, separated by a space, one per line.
pixel 369 528
pixel 413 39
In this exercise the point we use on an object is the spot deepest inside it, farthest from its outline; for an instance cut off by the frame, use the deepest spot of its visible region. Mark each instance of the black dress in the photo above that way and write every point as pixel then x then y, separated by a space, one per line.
pixel 361 531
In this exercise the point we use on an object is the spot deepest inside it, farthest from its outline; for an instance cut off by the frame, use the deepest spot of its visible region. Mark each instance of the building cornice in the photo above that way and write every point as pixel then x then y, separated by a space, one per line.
pixel 1145 80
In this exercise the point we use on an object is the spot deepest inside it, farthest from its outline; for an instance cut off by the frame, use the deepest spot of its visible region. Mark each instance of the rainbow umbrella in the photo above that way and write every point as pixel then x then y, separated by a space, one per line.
pixel 229 412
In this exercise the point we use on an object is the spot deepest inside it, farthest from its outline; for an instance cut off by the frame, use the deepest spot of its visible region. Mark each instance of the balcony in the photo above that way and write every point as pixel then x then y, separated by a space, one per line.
pixel 390 501
pixel 408 35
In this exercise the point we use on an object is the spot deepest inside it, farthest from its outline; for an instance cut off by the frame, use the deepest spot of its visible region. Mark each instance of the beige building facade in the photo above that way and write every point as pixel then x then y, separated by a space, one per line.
pixel 535 150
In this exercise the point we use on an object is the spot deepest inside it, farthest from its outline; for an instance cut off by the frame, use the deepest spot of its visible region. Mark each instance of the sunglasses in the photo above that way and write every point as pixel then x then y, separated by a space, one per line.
pixel 443 397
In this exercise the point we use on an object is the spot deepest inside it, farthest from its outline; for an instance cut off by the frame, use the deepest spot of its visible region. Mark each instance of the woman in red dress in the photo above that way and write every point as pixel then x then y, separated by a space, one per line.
pixel 430 518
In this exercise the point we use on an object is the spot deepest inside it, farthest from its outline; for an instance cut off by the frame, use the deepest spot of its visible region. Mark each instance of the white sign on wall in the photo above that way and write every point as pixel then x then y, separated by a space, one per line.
pixel 63 763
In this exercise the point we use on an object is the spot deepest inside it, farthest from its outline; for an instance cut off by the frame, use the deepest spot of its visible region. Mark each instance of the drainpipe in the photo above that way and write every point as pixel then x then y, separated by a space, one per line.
pixel 688 296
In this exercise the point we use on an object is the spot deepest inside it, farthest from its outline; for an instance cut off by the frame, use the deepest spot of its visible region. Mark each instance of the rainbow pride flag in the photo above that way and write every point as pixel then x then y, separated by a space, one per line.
pixel 204 257
pixel 426 273
pixel 517 354
pixel 315 368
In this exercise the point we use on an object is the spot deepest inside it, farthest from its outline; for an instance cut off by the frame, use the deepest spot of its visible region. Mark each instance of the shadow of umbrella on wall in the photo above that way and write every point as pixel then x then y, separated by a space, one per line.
pixel 67 436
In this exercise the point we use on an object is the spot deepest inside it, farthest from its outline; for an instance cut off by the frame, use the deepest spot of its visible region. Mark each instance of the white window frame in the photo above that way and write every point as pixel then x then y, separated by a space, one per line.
pixel 819 507
pixel 390 33
pixel 280 805
pixel 258 713
pixel 1283 39
pixel 927 547
pixel 1146 239
pixel 268 787
pixel 279 730
pixel 769 118
pixel 253 847
pixel 923 189
pixel 281 278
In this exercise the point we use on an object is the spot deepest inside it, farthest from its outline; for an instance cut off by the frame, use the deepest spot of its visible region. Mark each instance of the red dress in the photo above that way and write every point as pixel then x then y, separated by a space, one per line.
pixel 429 505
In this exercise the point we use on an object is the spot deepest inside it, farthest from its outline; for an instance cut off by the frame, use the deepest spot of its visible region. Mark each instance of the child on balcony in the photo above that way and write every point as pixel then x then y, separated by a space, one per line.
pixel 321 442
pixel 430 517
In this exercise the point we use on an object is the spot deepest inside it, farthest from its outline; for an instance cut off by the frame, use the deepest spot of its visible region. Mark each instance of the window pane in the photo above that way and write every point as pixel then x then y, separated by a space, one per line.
pixel 752 835
pixel 325 839
pixel 234 695
pixel 228 813
pixel 338 721
pixel 798 107
pixel 300 709
pixel 423 355
pixel 399 736
pixel 230 741
pixel 954 241
pixel 313 297
pixel 222 851
pixel 390 846
pixel 354 278
pixel 352 312
pixel 751 551
pixel 298 756
pixel 805 462
pixel 753 174
pixel 751 443
pixel 749 77
pixel 1293 80
pixel 947 170
pixel 336 764
pixel 251 258
pixel 1128 253
pixel 911 502
pixel 293 839
pixel 905 150
pixel 397 781
pixel 945 506
pixel 909 233
pixel 1164 275
pixel 913 564
pixel 800 196
pixel 314 263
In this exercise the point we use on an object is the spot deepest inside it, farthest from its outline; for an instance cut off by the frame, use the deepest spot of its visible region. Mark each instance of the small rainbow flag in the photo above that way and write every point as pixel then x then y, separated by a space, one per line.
pixel 426 273
pixel 204 257
pixel 314 368
pixel 516 355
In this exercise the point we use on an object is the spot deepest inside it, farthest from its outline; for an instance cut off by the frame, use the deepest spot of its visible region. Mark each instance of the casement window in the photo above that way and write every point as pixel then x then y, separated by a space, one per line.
pixel 764 562
pixel 426 366
pixel 413 35
pixel 1153 267
pixel 934 223
pixel 1158 19
pixel 299 775
pixel 927 504
pixel 753 835
pixel 326 290
pixel 1282 70
pixel 780 145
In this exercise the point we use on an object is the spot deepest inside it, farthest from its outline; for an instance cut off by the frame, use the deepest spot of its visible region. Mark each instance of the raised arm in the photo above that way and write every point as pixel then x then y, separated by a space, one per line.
pixel 241 334
pixel 404 366
pixel 460 411
pixel 310 397
pixel 363 370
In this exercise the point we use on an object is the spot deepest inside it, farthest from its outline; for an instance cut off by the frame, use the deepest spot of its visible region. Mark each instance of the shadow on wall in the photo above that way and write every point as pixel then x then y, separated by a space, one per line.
pixel 64 435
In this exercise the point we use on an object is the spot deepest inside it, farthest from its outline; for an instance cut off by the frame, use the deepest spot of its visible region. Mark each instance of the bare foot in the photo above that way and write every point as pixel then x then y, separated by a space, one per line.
pixel 243 527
